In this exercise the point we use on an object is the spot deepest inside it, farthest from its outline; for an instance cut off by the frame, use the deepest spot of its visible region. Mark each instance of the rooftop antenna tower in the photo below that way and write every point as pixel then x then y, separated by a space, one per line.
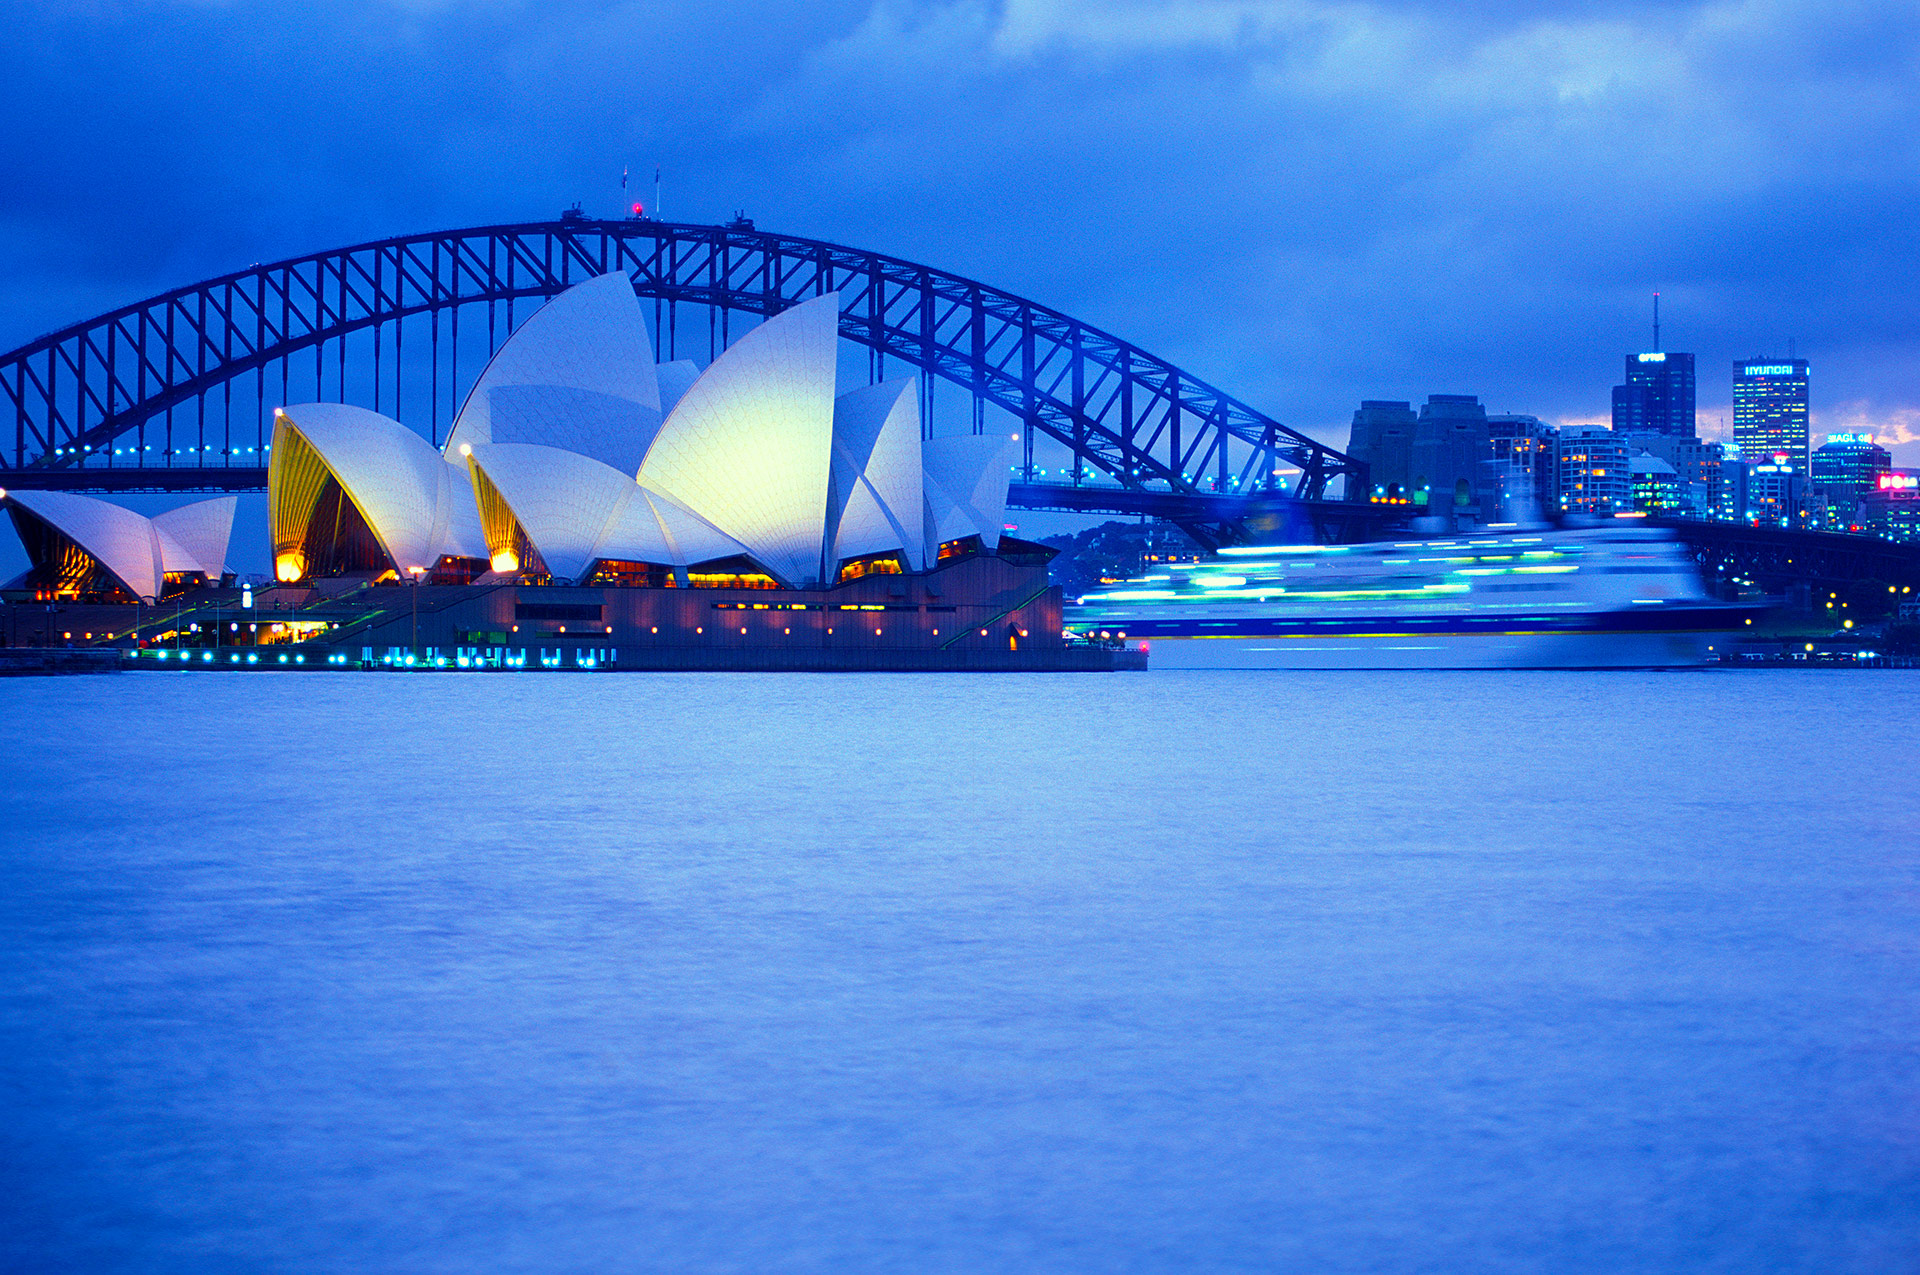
pixel 1656 323
pixel 656 192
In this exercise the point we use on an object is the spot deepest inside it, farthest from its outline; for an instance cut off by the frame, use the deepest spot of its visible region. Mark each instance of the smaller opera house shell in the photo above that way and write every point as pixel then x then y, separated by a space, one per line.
pixel 577 460
pixel 87 550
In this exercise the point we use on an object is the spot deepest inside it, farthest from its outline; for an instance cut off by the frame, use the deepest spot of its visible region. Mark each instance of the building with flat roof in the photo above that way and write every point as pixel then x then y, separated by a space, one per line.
pixel 1657 397
pixel 1770 415
pixel 1596 474
pixel 1776 493
pixel 1892 508
pixel 1844 470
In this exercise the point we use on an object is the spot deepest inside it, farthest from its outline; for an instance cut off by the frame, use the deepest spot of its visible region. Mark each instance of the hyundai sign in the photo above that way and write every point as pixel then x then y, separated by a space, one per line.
pixel 1768 369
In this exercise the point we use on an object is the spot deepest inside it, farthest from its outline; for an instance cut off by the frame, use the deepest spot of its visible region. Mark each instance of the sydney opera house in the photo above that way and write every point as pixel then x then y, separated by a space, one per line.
pixel 595 508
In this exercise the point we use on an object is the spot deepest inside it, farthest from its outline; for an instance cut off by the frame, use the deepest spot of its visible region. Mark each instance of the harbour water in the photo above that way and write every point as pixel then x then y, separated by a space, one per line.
pixel 1174 971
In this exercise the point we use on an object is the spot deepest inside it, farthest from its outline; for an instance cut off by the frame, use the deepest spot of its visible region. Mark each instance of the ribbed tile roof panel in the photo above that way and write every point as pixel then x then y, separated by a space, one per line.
pixel 394 477
pixel 747 447
pixel 562 500
pixel 676 378
pixel 465 537
pixel 876 438
pixel 966 487
pixel 120 540
pixel 199 532
pixel 589 340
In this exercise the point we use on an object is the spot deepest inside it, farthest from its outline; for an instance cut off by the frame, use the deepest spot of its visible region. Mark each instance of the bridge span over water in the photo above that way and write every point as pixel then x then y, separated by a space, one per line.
pixel 176 393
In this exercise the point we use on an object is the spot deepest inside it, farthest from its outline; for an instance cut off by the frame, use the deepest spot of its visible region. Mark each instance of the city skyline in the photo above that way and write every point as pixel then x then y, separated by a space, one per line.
pixel 1374 203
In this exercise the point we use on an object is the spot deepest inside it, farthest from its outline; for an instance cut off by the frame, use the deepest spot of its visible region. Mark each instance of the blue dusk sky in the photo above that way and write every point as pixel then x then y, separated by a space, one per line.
pixel 1307 202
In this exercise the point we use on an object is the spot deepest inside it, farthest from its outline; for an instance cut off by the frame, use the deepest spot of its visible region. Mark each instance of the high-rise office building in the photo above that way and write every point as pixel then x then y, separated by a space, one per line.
pixel 1770 410
pixel 1845 468
pixel 1658 396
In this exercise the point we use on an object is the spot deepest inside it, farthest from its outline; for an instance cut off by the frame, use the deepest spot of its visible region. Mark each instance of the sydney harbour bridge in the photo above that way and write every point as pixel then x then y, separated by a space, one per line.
pixel 176 393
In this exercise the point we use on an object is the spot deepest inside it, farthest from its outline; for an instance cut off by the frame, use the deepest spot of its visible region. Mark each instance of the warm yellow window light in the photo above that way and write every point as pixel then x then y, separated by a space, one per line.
pixel 289 566
pixel 505 561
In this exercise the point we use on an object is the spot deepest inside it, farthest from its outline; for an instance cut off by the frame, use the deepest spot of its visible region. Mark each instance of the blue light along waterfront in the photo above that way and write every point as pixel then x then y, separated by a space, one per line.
pixel 1298 972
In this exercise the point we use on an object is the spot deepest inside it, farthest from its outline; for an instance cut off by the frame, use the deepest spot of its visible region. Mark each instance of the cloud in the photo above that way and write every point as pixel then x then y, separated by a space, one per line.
pixel 1307 202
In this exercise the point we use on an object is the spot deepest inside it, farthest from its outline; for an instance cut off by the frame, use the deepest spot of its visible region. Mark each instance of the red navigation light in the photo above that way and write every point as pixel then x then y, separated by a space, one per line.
pixel 639 211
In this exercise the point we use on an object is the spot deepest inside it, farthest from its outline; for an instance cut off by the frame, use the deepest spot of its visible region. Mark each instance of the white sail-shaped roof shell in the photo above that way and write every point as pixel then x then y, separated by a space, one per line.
pixel 965 479
pixel 563 501
pixel 876 473
pixel 653 527
pixel 120 540
pixel 676 378
pixel 577 511
pixel 578 374
pixel 748 446
pixel 194 537
pixel 395 478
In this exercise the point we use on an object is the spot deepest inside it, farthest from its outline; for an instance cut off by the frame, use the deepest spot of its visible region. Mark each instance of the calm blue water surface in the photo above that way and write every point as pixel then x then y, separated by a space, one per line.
pixel 1212 971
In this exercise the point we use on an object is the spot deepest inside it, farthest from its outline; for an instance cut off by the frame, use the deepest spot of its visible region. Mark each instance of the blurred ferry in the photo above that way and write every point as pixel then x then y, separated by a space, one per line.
pixel 1617 596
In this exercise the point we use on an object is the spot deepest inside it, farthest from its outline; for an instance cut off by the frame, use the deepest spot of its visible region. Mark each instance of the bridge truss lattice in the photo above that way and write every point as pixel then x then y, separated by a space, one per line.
pixel 176 392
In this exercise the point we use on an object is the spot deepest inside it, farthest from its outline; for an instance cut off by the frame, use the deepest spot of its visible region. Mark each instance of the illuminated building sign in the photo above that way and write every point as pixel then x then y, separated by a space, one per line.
pixel 1849 438
pixel 1899 482
pixel 1766 369
pixel 1653 358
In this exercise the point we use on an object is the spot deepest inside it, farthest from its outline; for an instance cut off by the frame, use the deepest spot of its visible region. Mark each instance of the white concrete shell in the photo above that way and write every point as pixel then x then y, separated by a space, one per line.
pixel 676 378
pixel 966 480
pixel 194 537
pixel 395 478
pixel 120 540
pixel 563 501
pixel 875 500
pixel 748 446
pixel 653 527
pixel 578 374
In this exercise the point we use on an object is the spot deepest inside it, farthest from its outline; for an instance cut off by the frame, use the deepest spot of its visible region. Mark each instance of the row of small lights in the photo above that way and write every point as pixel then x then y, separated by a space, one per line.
pixel 135 451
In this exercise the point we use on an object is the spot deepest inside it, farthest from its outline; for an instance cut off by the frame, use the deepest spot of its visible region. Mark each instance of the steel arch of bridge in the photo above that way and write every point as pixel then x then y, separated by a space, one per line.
pixel 124 377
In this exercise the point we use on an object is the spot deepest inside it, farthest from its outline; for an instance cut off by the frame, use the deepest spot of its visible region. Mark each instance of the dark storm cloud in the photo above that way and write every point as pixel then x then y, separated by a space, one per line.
pixel 1309 202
